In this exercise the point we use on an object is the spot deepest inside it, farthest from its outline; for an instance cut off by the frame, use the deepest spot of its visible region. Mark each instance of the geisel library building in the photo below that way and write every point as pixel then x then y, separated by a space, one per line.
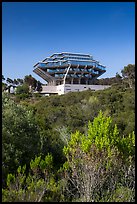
pixel 68 72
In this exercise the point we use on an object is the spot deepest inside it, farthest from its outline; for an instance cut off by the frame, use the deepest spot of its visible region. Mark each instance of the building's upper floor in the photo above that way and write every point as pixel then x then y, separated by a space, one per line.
pixel 65 58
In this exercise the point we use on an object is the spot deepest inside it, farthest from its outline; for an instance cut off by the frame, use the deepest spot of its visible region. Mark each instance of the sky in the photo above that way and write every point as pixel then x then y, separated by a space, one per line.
pixel 32 31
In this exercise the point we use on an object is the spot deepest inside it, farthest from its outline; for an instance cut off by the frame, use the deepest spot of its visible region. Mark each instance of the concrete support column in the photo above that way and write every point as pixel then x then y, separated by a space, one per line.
pixel 52 83
pixel 79 80
pixel 72 80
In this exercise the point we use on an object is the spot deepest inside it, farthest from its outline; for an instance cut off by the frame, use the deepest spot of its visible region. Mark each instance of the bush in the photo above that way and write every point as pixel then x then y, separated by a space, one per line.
pixel 99 161
pixel 20 135
pixel 23 89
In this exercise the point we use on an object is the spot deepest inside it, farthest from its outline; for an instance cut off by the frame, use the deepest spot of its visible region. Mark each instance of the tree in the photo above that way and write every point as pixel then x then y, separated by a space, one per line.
pixel 10 84
pixel 31 81
pixel 32 186
pixel 22 89
pixel 9 81
pixel 39 86
pixel 118 78
pixel 20 136
pixel 97 163
pixel 4 85
pixel 118 75
pixel 15 81
pixel 20 81
pixel 128 74
pixel 3 78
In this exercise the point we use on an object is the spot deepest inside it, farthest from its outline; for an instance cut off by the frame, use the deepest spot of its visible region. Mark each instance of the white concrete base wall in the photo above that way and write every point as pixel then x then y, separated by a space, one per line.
pixel 83 87
pixel 49 89
pixel 63 89
pixel 60 89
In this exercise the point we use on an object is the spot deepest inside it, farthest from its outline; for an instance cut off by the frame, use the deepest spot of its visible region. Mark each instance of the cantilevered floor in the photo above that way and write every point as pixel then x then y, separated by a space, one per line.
pixel 69 68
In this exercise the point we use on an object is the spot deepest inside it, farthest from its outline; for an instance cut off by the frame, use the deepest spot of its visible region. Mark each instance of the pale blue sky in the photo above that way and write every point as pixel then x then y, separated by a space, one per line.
pixel 32 31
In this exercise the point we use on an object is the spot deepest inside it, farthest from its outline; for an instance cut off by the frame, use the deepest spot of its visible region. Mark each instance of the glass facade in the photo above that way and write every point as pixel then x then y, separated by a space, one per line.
pixel 70 64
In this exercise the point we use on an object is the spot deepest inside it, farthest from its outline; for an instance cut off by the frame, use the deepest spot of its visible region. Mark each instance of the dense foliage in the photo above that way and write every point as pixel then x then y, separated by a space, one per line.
pixel 98 163
pixel 74 147
pixel 21 139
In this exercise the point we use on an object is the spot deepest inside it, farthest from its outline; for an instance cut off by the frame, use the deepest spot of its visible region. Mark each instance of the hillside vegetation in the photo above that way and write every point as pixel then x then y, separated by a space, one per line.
pixel 74 147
